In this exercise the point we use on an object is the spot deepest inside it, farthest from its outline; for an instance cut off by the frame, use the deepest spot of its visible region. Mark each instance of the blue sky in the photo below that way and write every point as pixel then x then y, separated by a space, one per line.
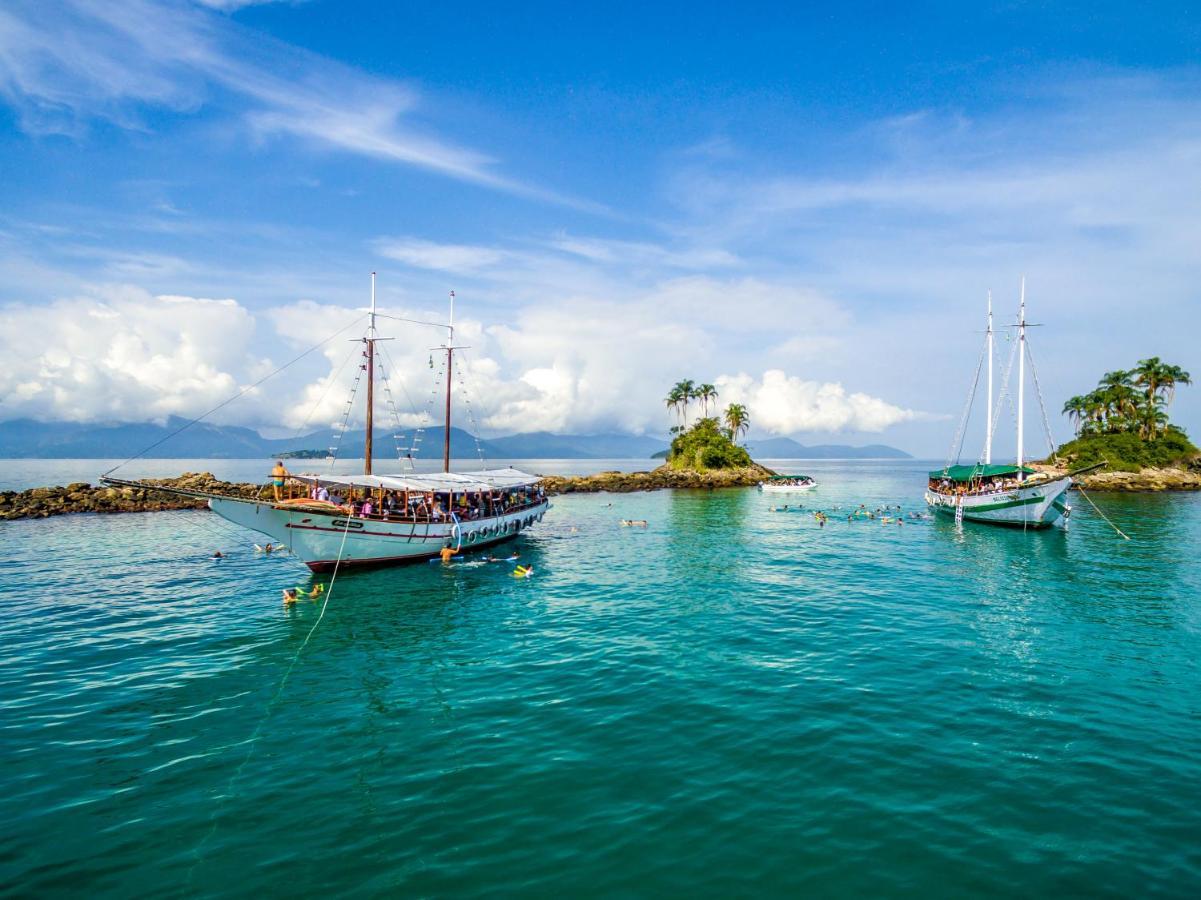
pixel 805 204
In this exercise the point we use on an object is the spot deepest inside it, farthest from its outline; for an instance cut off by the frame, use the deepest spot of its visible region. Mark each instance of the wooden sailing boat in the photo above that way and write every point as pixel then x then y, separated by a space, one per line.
pixel 1000 494
pixel 372 520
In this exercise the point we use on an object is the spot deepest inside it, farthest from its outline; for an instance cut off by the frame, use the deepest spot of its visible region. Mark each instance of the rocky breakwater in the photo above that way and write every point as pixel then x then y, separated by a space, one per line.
pixel 655 480
pixel 81 497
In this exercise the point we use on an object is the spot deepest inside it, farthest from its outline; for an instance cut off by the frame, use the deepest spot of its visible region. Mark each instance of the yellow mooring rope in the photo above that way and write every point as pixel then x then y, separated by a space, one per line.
pixel 252 741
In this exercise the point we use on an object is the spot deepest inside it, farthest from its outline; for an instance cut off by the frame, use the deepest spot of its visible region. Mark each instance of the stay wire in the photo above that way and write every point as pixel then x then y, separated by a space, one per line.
pixel 236 396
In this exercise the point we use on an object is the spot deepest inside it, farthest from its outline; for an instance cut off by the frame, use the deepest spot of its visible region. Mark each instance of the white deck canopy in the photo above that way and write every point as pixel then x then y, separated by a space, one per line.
pixel 440 482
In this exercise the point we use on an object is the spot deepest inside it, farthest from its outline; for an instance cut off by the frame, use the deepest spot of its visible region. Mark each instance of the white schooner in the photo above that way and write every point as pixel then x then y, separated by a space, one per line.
pixel 998 493
pixel 373 519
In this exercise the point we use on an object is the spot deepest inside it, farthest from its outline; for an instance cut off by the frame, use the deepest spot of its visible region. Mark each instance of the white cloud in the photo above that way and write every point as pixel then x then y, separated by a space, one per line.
pixel 65 63
pixel 782 404
pixel 440 257
pixel 122 355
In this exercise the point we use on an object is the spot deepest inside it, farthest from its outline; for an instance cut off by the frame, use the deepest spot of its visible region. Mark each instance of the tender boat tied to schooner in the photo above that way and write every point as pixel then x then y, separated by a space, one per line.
pixel 1000 494
pixel 374 520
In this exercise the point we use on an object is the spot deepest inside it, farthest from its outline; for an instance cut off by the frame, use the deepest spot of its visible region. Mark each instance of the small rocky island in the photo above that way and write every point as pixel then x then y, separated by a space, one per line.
pixel 1122 425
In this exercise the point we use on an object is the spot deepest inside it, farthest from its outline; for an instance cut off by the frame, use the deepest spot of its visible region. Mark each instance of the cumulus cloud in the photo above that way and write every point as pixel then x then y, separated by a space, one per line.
pixel 122 355
pixel 785 404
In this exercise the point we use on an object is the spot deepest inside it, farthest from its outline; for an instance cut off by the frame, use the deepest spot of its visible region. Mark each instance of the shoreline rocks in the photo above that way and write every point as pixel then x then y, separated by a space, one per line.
pixel 1150 480
pixel 81 497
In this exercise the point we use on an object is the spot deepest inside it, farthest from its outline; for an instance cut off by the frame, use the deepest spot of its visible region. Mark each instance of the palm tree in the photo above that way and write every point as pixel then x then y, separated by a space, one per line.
pixel 687 391
pixel 738 420
pixel 707 394
pixel 1156 377
pixel 1076 409
pixel 673 400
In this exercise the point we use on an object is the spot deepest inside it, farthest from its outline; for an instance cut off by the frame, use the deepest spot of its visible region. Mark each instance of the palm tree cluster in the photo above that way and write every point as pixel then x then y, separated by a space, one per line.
pixel 685 393
pixel 680 398
pixel 1133 401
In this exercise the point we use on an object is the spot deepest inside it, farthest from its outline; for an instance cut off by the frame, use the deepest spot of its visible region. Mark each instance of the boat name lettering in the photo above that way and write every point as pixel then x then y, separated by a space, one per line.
pixel 349 524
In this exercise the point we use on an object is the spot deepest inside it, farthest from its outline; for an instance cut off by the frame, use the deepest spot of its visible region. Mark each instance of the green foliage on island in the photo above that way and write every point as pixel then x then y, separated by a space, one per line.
pixel 1133 401
pixel 1127 452
pixel 704 446
pixel 1124 423
pixel 302 454
pixel 709 443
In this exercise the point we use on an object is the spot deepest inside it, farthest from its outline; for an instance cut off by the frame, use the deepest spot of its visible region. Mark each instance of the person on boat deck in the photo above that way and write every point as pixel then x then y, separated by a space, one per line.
pixel 278 474
pixel 322 493
pixel 389 504
pixel 367 508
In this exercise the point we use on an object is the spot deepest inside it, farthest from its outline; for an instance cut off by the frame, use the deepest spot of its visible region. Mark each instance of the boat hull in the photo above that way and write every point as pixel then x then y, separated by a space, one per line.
pixel 324 540
pixel 786 488
pixel 1037 506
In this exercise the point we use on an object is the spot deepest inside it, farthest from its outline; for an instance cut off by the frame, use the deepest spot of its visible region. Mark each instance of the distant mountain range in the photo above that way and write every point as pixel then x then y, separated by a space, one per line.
pixel 27 439
pixel 787 448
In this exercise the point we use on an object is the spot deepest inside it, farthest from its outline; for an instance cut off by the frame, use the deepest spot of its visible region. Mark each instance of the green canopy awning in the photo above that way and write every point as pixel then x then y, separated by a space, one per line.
pixel 967 473
pixel 788 477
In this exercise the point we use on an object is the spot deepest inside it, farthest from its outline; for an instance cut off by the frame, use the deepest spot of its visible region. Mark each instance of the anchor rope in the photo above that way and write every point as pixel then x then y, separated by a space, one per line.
pixel 1101 514
pixel 252 741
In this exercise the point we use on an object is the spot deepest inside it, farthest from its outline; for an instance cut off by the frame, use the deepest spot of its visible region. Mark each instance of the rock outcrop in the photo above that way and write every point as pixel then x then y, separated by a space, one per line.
pixel 81 497
pixel 657 479
pixel 1175 478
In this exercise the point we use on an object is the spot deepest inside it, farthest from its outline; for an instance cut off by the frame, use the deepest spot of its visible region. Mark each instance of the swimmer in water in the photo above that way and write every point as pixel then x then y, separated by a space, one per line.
pixel 290 596
pixel 633 523
pixel 264 549
pixel 446 553
pixel 523 571
pixel 217 554
pixel 317 591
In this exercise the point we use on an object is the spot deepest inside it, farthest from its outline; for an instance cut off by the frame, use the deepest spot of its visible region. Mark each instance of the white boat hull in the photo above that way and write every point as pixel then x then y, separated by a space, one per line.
pixel 787 488
pixel 323 540
pixel 1034 506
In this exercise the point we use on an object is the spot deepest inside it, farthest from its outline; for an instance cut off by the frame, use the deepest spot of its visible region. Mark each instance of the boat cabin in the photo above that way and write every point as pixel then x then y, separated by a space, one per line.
pixel 978 479
pixel 441 497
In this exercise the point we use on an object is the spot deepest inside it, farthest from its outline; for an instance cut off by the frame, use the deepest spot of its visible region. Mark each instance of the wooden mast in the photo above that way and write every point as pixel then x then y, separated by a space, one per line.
pixel 370 341
pixel 449 372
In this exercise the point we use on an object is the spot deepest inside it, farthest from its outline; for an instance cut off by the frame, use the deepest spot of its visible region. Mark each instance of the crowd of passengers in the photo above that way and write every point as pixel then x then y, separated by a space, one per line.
pixel 974 487
pixel 429 506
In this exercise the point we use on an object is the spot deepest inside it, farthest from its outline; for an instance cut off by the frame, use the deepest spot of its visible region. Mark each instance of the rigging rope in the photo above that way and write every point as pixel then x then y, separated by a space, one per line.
pixel 1042 407
pixel 957 440
pixel 1004 395
pixel 236 396
pixel 344 424
pixel 475 425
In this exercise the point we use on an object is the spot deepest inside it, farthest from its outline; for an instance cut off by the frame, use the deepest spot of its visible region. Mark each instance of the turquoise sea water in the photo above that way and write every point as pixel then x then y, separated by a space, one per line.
pixel 731 701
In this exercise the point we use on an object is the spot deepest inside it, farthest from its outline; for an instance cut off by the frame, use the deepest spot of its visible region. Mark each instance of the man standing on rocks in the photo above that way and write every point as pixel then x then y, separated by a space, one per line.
pixel 278 474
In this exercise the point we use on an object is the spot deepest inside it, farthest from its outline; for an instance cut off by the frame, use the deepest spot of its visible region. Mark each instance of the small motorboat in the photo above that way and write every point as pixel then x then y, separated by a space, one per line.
pixel 787 484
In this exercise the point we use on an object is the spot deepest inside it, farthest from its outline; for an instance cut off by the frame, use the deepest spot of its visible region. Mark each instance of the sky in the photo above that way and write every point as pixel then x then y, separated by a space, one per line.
pixel 804 204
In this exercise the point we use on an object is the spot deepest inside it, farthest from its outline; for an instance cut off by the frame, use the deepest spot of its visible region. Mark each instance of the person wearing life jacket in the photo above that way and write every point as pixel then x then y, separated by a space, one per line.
pixel 278 474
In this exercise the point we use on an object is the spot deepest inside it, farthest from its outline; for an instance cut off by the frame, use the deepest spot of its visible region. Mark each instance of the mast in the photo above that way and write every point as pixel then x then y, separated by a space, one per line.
pixel 370 341
pixel 449 372
pixel 1021 375
pixel 988 420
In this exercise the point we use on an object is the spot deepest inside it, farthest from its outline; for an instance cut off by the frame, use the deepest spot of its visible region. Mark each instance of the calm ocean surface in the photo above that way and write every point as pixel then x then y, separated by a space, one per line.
pixel 731 701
